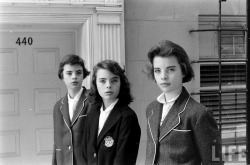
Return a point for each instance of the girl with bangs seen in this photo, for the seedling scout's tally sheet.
(113, 132)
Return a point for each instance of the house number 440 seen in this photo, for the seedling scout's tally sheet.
(24, 41)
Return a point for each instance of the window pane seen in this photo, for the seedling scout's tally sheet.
(233, 106)
(227, 49)
(233, 74)
(227, 40)
(240, 49)
(239, 40)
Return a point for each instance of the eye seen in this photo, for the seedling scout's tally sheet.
(115, 80)
(102, 81)
(69, 73)
(157, 71)
(171, 70)
(79, 73)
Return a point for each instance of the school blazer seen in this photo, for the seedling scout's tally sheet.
(188, 136)
(68, 135)
(118, 141)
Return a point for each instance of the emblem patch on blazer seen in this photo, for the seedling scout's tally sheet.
(109, 141)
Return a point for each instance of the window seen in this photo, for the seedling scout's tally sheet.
(223, 81)
(233, 42)
(233, 75)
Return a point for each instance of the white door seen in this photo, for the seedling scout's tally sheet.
(29, 88)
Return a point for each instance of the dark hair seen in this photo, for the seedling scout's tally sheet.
(72, 59)
(167, 48)
(124, 95)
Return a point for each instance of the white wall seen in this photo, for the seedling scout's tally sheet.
(149, 21)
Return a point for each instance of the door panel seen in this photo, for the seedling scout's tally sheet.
(29, 88)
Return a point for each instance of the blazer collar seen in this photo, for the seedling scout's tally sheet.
(79, 106)
(114, 116)
(154, 120)
(65, 108)
(171, 121)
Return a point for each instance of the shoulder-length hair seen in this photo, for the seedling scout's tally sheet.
(124, 95)
(167, 48)
(72, 59)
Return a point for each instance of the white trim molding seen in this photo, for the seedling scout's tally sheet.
(64, 2)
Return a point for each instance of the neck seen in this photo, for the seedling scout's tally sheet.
(171, 95)
(73, 93)
(107, 103)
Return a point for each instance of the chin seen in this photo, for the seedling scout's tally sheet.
(165, 90)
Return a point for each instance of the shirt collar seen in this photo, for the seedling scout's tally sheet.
(110, 107)
(162, 99)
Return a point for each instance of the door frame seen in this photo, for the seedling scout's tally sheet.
(98, 26)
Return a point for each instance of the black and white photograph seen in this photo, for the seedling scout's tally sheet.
(124, 82)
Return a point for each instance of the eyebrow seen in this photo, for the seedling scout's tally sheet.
(75, 71)
(115, 77)
(173, 66)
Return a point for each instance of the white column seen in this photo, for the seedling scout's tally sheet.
(110, 25)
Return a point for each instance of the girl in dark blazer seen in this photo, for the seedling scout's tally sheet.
(113, 131)
(70, 113)
(179, 129)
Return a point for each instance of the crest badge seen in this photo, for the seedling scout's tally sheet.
(109, 141)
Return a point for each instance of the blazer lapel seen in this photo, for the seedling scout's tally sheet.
(65, 110)
(171, 121)
(154, 121)
(79, 106)
(111, 120)
(173, 118)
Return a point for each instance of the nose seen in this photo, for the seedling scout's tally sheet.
(74, 76)
(108, 85)
(164, 76)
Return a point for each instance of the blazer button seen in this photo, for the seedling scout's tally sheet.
(69, 147)
(94, 155)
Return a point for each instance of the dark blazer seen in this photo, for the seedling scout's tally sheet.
(68, 135)
(189, 134)
(118, 141)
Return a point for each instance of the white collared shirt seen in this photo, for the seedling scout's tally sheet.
(166, 105)
(73, 102)
(105, 114)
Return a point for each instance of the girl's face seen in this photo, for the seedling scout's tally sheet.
(168, 74)
(73, 77)
(108, 85)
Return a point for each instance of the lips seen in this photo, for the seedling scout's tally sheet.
(74, 83)
(109, 93)
(165, 84)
